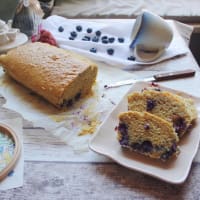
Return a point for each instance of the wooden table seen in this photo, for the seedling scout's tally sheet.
(72, 180)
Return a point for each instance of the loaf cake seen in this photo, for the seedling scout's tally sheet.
(58, 75)
(179, 111)
(147, 134)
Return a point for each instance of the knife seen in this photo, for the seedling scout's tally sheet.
(155, 78)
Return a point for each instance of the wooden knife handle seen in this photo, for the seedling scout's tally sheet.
(174, 75)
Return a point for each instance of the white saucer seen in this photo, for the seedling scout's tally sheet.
(21, 38)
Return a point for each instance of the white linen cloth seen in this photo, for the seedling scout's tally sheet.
(116, 30)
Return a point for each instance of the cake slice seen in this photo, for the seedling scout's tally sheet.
(58, 75)
(147, 134)
(179, 111)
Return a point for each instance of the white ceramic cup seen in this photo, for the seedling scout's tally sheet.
(12, 33)
(151, 35)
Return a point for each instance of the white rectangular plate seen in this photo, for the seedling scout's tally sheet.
(173, 171)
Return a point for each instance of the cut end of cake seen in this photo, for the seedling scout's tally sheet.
(147, 134)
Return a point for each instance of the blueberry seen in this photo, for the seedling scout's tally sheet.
(105, 41)
(123, 129)
(104, 37)
(146, 126)
(79, 28)
(77, 96)
(95, 39)
(132, 58)
(73, 34)
(124, 140)
(89, 30)
(146, 146)
(179, 124)
(150, 104)
(86, 38)
(67, 103)
(169, 153)
(121, 40)
(110, 51)
(111, 40)
(93, 50)
(136, 146)
(98, 33)
(71, 38)
(173, 147)
(60, 29)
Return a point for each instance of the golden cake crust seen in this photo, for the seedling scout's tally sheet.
(171, 107)
(49, 71)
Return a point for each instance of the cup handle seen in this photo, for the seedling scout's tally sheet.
(143, 55)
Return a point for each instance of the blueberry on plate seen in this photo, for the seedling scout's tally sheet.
(93, 50)
(110, 51)
(89, 30)
(79, 28)
(60, 29)
(120, 40)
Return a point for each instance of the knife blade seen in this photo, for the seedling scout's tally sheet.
(155, 78)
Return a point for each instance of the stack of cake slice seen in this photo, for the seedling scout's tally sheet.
(155, 122)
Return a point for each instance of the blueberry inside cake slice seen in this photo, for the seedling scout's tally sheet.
(147, 134)
(179, 111)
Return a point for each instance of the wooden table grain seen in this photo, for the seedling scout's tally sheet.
(84, 180)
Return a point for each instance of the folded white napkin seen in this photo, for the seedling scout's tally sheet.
(69, 34)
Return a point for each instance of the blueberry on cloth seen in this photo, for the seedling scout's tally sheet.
(121, 40)
(104, 37)
(89, 30)
(86, 38)
(73, 34)
(110, 51)
(132, 58)
(111, 40)
(105, 41)
(60, 29)
(93, 50)
(79, 28)
(95, 39)
(98, 33)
